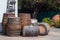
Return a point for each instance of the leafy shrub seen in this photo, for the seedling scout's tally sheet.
(58, 23)
(49, 21)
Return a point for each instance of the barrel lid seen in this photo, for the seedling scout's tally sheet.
(14, 17)
(29, 26)
(24, 13)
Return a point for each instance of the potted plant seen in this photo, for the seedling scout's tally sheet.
(58, 24)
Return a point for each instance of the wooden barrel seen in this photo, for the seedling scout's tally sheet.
(44, 28)
(30, 31)
(46, 25)
(25, 19)
(13, 26)
(5, 19)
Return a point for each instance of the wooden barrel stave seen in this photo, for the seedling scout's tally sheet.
(4, 21)
(25, 19)
(13, 26)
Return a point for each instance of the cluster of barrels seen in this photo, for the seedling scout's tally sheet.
(22, 25)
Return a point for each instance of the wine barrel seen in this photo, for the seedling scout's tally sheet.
(44, 28)
(30, 31)
(46, 25)
(5, 19)
(13, 26)
(25, 19)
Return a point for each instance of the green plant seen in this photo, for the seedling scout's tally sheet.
(49, 21)
(58, 23)
(53, 3)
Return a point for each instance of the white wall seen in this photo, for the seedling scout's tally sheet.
(2, 8)
(3, 5)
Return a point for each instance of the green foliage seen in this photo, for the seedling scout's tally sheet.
(48, 20)
(53, 3)
(19, 3)
(58, 23)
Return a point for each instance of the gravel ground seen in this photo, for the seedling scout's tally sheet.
(54, 34)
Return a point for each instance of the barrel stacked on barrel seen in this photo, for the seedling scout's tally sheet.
(23, 25)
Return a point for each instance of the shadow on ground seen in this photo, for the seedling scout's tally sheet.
(0, 27)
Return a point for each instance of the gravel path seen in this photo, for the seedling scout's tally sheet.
(54, 34)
